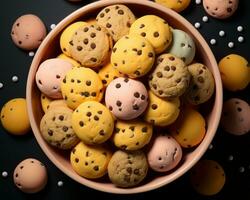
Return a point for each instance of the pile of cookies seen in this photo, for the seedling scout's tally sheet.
(123, 96)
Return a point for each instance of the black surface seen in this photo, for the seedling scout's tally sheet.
(17, 62)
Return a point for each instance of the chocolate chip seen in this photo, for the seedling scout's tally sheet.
(128, 24)
(101, 132)
(50, 132)
(76, 160)
(88, 82)
(86, 29)
(87, 154)
(154, 86)
(159, 74)
(108, 25)
(86, 163)
(167, 68)
(86, 94)
(71, 43)
(173, 68)
(118, 85)
(201, 71)
(132, 128)
(136, 107)
(118, 103)
(239, 109)
(104, 81)
(159, 60)
(129, 170)
(150, 55)
(79, 48)
(136, 171)
(178, 80)
(139, 52)
(120, 12)
(107, 10)
(86, 41)
(137, 73)
(124, 147)
(229, 10)
(102, 15)
(117, 130)
(19, 42)
(156, 34)
(93, 94)
(154, 106)
(126, 80)
(96, 168)
(65, 128)
(115, 64)
(200, 79)
(110, 108)
(142, 25)
(89, 114)
(114, 50)
(92, 35)
(61, 117)
(144, 129)
(93, 45)
(134, 49)
(171, 58)
(136, 95)
(17, 24)
(40, 82)
(160, 92)
(143, 97)
(143, 34)
(58, 76)
(93, 59)
(99, 112)
(81, 123)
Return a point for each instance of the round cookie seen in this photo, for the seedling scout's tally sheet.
(49, 76)
(184, 131)
(91, 45)
(235, 72)
(71, 60)
(108, 73)
(202, 85)
(80, 85)
(127, 169)
(164, 154)
(161, 112)
(170, 77)
(220, 9)
(117, 19)
(24, 35)
(45, 101)
(92, 122)
(67, 35)
(30, 176)
(235, 117)
(176, 5)
(126, 98)
(208, 177)
(155, 29)
(56, 128)
(182, 46)
(14, 116)
(90, 161)
(132, 135)
(133, 56)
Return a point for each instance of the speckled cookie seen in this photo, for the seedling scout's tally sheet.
(201, 86)
(56, 128)
(133, 56)
(117, 19)
(90, 161)
(91, 45)
(161, 112)
(81, 84)
(92, 122)
(182, 46)
(132, 135)
(170, 78)
(155, 29)
(127, 169)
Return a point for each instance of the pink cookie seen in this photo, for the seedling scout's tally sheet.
(126, 98)
(220, 9)
(165, 154)
(235, 117)
(49, 76)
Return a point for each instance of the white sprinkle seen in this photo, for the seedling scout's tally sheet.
(31, 53)
(231, 45)
(60, 183)
(52, 26)
(222, 33)
(197, 25)
(211, 146)
(241, 169)
(4, 174)
(14, 79)
(213, 41)
(230, 158)
(239, 28)
(198, 1)
(240, 39)
(205, 19)
(1, 85)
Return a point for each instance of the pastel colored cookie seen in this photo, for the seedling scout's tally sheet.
(176, 5)
(170, 77)
(208, 177)
(56, 128)
(182, 46)
(90, 161)
(49, 76)
(67, 35)
(164, 154)
(45, 101)
(132, 135)
(235, 72)
(155, 29)
(71, 60)
(91, 45)
(24, 35)
(117, 19)
(161, 112)
(127, 169)
(80, 85)
(235, 117)
(201, 86)
(14, 116)
(57, 103)
(126, 98)
(133, 56)
(184, 131)
(220, 9)
(92, 122)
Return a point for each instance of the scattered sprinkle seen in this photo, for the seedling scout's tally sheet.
(240, 39)
(231, 45)
(14, 79)
(213, 41)
(205, 19)
(31, 53)
(230, 158)
(198, 1)
(211, 146)
(241, 169)
(222, 33)
(4, 174)
(1, 85)
(197, 25)
(60, 183)
(239, 28)
(52, 26)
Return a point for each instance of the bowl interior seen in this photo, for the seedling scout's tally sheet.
(50, 48)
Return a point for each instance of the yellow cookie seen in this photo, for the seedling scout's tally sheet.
(90, 162)
(208, 177)
(189, 128)
(93, 122)
(71, 60)
(108, 73)
(57, 103)
(132, 135)
(45, 101)
(81, 84)
(133, 55)
(235, 72)
(155, 29)
(161, 112)
(66, 36)
(14, 117)
(176, 5)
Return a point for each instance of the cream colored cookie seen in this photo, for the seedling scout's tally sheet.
(71, 60)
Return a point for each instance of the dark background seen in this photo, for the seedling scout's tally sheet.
(14, 149)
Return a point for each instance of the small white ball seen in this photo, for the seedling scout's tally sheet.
(31, 53)
(213, 41)
(240, 39)
(241, 169)
(52, 26)
(231, 45)
(230, 158)
(60, 183)
(198, 1)
(205, 19)
(240, 28)
(197, 25)
(222, 33)
(1, 85)
(14, 79)
(211, 146)
(4, 174)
